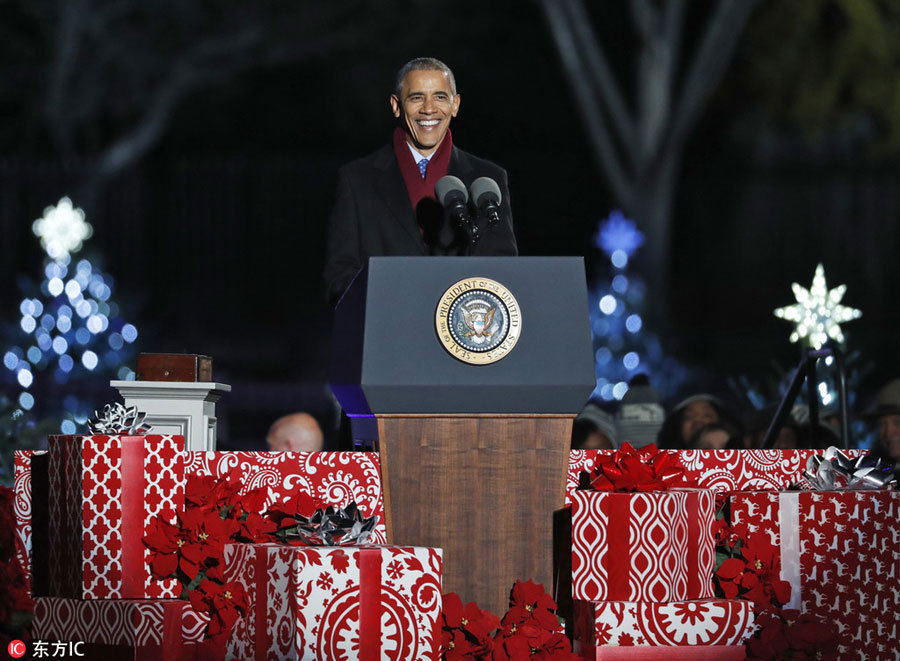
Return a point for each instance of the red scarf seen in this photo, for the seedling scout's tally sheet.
(416, 187)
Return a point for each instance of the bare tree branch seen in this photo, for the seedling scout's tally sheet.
(710, 61)
(674, 25)
(608, 90)
(68, 42)
(595, 122)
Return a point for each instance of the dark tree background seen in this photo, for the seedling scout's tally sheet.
(750, 141)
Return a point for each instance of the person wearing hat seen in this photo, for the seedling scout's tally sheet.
(640, 414)
(593, 429)
(689, 416)
(886, 413)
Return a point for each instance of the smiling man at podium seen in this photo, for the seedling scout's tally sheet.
(386, 202)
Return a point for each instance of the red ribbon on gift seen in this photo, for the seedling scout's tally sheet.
(369, 604)
(134, 482)
(646, 469)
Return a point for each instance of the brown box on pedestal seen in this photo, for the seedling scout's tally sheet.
(173, 367)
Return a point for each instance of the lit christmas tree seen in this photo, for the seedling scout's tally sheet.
(69, 328)
(623, 347)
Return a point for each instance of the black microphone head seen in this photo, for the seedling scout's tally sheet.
(450, 189)
(486, 188)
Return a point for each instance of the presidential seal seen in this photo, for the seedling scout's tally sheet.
(478, 321)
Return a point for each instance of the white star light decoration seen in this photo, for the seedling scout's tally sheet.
(818, 312)
(62, 229)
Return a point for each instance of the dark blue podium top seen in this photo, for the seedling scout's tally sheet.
(387, 356)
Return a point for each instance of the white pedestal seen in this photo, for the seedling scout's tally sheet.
(175, 407)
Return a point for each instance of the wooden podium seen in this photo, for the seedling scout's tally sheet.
(473, 456)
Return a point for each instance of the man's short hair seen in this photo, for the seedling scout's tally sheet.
(423, 64)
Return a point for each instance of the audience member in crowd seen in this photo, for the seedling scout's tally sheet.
(758, 424)
(296, 432)
(593, 429)
(886, 414)
(688, 416)
(640, 415)
(716, 436)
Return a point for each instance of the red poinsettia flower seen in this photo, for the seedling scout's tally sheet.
(457, 646)
(195, 544)
(286, 513)
(791, 634)
(225, 604)
(724, 534)
(252, 527)
(207, 534)
(210, 493)
(754, 577)
(529, 602)
(479, 624)
(164, 541)
(532, 642)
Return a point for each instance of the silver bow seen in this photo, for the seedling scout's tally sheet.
(337, 527)
(836, 471)
(116, 420)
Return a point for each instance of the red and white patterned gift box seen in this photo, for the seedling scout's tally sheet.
(720, 470)
(840, 551)
(121, 628)
(22, 506)
(104, 492)
(651, 546)
(337, 603)
(335, 478)
(678, 623)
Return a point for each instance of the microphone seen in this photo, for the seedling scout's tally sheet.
(453, 196)
(486, 195)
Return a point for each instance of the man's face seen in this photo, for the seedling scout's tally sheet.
(425, 106)
(889, 435)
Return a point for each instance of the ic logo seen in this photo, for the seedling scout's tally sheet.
(16, 649)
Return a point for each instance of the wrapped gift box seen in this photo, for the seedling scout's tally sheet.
(121, 628)
(336, 603)
(651, 546)
(720, 470)
(104, 492)
(840, 551)
(708, 622)
(335, 478)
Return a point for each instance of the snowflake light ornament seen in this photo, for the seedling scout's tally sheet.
(817, 314)
(62, 229)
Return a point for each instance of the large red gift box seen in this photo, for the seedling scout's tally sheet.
(334, 478)
(708, 622)
(104, 492)
(645, 546)
(320, 603)
(145, 630)
(840, 551)
(720, 470)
